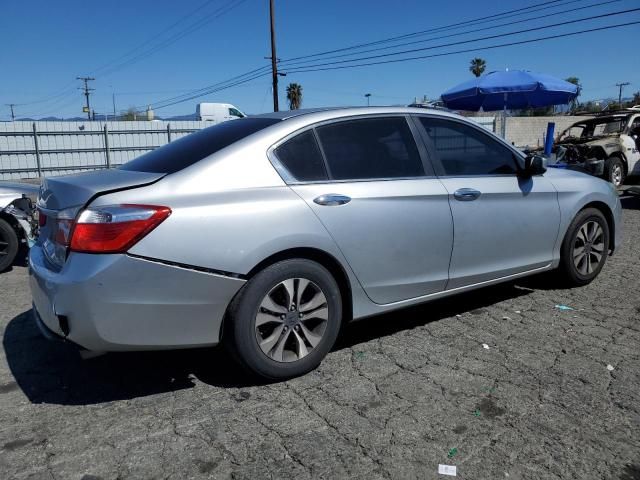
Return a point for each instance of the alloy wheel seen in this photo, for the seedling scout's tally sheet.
(588, 247)
(291, 320)
(616, 175)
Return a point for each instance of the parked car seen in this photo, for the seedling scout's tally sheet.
(217, 112)
(268, 233)
(18, 224)
(608, 145)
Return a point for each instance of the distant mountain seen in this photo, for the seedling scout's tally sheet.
(191, 116)
(100, 118)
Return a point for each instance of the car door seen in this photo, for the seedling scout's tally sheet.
(367, 181)
(504, 223)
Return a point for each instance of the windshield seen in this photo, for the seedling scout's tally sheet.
(595, 128)
(188, 150)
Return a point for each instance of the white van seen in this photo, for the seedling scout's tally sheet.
(217, 112)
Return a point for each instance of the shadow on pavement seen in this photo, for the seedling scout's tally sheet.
(53, 372)
(630, 202)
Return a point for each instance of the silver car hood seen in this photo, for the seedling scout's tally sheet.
(9, 191)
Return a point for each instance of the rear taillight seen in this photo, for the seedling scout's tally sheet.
(114, 228)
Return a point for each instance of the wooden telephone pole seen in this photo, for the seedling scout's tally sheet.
(274, 59)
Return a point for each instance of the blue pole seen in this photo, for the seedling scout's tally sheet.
(548, 141)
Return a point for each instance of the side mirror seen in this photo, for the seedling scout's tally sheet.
(534, 165)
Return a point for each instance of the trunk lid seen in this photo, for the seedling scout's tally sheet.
(59, 193)
(61, 198)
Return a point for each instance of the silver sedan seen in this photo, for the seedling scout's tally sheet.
(270, 232)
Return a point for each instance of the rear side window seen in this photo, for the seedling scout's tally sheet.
(302, 158)
(370, 148)
(188, 150)
(464, 150)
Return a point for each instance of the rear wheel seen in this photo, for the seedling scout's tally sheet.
(285, 319)
(585, 247)
(8, 245)
(614, 171)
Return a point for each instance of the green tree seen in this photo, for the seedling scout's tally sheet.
(294, 96)
(576, 81)
(477, 66)
(130, 115)
(636, 98)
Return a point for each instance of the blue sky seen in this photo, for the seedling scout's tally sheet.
(47, 44)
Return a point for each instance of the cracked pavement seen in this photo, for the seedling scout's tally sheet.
(399, 394)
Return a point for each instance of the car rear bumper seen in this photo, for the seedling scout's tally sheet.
(119, 302)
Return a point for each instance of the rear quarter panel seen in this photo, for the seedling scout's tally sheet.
(231, 231)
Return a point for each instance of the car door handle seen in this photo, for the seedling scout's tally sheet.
(331, 199)
(466, 194)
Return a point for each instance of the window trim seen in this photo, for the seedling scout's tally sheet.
(518, 157)
(289, 179)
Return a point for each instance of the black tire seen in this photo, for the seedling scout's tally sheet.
(614, 171)
(241, 334)
(573, 275)
(8, 245)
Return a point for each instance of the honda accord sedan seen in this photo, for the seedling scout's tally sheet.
(269, 233)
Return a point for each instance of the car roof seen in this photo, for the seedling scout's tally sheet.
(336, 112)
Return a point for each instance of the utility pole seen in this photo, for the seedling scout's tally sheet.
(274, 59)
(86, 89)
(368, 96)
(11, 105)
(621, 86)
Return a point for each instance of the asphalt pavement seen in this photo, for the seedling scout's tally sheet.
(519, 381)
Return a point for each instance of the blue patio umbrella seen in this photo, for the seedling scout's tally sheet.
(508, 90)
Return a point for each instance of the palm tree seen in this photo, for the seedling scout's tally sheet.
(477, 66)
(294, 95)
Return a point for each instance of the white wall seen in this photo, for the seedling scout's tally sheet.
(65, 145)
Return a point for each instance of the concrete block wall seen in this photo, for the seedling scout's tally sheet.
(530, 131)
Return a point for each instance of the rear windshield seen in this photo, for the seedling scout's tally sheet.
(188, 150)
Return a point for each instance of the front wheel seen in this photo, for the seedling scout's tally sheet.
(8, 245)
(585, 247)
(614, 171)
(285, 319)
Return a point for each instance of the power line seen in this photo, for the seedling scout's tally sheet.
(257, 73)
(109, 67)
(225, 87)
(174, 38)
(489, 37)
(206, 90)
(434, 29)
(492, 27)
(149, 40)
(474, 49)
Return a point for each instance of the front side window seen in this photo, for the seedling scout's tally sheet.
(370, 148)
(464, 150)
(234, 112)
(302, 158)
